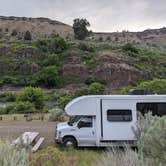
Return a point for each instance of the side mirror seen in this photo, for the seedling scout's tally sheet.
(80, 124)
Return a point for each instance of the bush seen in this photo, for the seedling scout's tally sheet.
(33, 95)
(56, 45)
(144, 123)
(27, 36)
(108, 38)
(9, 80)
(49, 76)
(14, 32)
(100, 39)
(11, 155)
(152, 144)
(64, 100)
(93, 89)
(82, 91)
(117, 158)
(96, 88)
(86, 47)
(156, 86)
(56, 114)
(52, 59)
(130, 48)
(8, 97)
(18, 108)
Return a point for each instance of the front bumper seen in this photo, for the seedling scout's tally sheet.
(58, 140)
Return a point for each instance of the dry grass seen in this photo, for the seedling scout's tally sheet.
(113, 157)
(53, 156)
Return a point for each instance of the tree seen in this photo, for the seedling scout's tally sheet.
(80, 28)
(33, 95)
(27, 36)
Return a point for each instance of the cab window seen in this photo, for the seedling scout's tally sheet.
(85, 122)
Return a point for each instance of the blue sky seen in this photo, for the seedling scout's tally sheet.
(104, 15)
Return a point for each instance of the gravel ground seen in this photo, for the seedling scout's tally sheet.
(14, 129)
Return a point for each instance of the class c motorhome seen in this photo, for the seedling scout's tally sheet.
(106, 120)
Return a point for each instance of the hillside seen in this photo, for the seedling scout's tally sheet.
(49, 61)
(14, 28)
(154, 39)
(54, 63)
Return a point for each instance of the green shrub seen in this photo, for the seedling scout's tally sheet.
(51, 60)
(93, 89)
(13, 156)
(14, 32)
(86, 47)
(33, 95)
(100, 39)
(114, 157)
(9, 80)
(8, 97)
(108, 38)
(56, 45)
(49, 76)
(56, 114)
(130, 48)
(92, 79)
(27, 36)
(144, 123)
(96, 88)
(64, 100)
(152, 144)
(18, 108)
(156, 86)
(82, 91)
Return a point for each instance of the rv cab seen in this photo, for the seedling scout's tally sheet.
(78, 130)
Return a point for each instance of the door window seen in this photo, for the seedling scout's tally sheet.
(85, 122)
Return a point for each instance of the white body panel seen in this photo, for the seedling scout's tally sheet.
(104, 131)
(118, 130)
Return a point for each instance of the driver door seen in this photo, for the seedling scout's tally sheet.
(86, 134)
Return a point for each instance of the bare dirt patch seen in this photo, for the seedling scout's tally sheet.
(14, 129)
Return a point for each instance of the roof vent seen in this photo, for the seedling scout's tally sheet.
(139, 92)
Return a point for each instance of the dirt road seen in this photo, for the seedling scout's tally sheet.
(13, 129)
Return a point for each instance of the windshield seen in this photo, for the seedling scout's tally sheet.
(73, 120)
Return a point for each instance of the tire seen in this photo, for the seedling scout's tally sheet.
(69, 142)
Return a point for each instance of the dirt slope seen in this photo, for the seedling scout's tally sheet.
(38, 27)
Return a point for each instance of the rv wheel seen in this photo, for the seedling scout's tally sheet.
(69, 142)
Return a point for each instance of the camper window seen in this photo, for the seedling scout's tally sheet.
(119, 115)
(156, 108)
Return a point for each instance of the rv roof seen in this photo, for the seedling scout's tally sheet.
(120, 97)
(90, 100)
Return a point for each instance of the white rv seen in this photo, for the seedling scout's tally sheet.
(106, 120)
